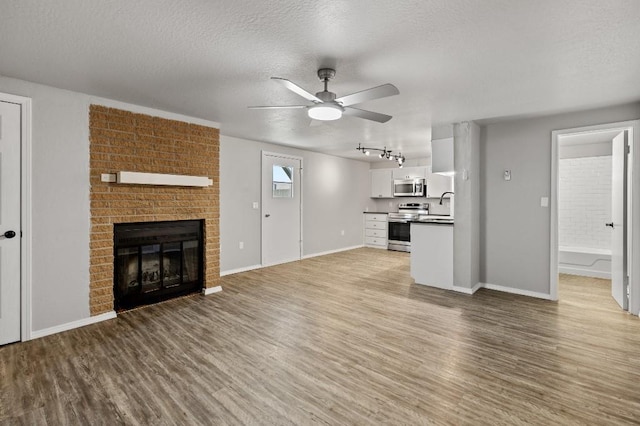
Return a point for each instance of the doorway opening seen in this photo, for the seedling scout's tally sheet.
(591, 203)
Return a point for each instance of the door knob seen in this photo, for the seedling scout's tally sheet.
(267, 215)
(9, 234)
(609, 224)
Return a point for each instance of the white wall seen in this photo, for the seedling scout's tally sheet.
(514, 227)
(335, 194)
(584, 202)
(60, 198)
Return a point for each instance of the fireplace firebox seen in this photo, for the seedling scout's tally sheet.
(155, 261)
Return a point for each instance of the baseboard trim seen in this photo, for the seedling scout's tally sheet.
(518, 291)
(208, 291)
(323, 253)
(584, 272)
(73, 324)
(306, 256)
(466, 290)
(238, 270)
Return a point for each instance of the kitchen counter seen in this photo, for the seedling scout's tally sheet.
(435, 218)
(432, 253)
(434, 221)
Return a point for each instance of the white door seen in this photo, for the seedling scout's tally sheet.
(618, 224)
(281, 209)
(9, 222)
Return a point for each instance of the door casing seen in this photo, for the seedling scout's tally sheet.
(25, 211)
(263, 195)
(633, 204)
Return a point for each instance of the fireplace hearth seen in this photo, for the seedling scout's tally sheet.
(155, 261)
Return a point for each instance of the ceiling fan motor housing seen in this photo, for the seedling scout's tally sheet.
(326, 74)
(326, 96)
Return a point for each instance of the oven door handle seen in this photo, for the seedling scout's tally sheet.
(398, 221)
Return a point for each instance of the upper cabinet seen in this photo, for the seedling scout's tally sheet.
(438, 185)
(381, 183)
(410, 172)
(442, 155)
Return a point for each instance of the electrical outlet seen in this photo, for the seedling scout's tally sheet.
(342, 232)
(255, 205)
(507, 174)
(241, 245)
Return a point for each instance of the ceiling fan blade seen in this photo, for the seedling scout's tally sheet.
(298, 90)
(368, 95)
(367, 115)
(278, 107)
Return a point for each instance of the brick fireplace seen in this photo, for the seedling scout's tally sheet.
(125, 141)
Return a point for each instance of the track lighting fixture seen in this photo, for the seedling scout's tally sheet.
(384, 153)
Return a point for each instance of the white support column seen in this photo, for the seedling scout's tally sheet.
(466, 239)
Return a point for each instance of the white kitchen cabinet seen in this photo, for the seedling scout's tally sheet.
(438, 184)
(381, 183)
(442, 155)
(410, 172)
(375, 230)
(432, 254)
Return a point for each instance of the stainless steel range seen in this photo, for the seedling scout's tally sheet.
(400, 224)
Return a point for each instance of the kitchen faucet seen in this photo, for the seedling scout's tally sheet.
(443, 194)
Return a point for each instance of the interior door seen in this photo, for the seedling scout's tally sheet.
(9, 222)
(281, 209)
(618, 224)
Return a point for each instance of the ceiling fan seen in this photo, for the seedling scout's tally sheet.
(327, 107)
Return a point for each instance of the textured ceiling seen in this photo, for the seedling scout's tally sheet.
(452, 60)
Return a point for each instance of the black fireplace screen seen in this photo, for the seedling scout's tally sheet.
(155, 261)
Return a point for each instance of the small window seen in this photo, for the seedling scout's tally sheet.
(282, 181)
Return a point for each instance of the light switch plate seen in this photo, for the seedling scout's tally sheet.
(507, 174)
(544, 201)
(255, 205)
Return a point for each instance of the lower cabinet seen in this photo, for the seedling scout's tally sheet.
(432, 254)
(375, 230)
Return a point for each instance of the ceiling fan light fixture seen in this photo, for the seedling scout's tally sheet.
(325, 112)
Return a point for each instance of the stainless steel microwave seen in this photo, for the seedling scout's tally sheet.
(409, 187)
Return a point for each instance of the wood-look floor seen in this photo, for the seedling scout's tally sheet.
(340, 339)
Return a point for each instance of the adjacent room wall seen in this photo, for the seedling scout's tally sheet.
(60, 198)
(514, 227)
(335, 194)
(584, 202)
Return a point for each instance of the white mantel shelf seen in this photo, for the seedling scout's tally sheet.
(136, 178)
